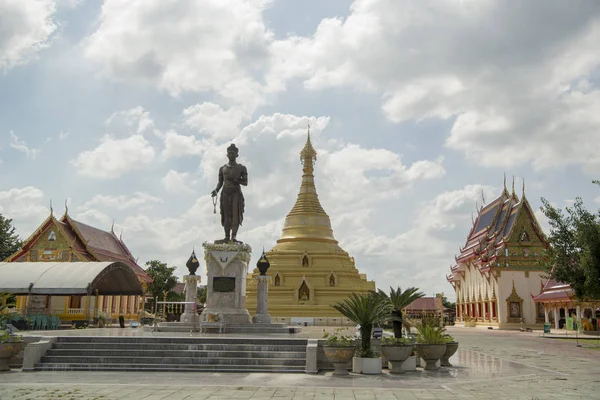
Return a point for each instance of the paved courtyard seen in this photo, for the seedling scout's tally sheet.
(489, 365)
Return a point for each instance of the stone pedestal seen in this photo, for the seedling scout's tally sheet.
(262, 292)
(191, 292)
(226, 268)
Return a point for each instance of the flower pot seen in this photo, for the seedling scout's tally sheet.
(396, 354)
(7, 351)
(367, 366)
(339, 356)
(431, 353)
(450, 350)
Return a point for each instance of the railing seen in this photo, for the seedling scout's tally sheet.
(72, 311)
(60, 310)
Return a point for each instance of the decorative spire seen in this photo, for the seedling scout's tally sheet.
(51, 209)
(513, 185)
(112, 227)
(523, 194)
(482, 196)
(308, 155)
(66, 207)
(307, 219)
(121, 235)
(505, 182)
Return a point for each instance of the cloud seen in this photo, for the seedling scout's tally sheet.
(177, 145)
(115, 157)
(135, 121)
(20, 145)
(137, 200)
(25, 206)
(212, 120)
(215, 46)
(517, 88)
(26, 29)
(63, 135)
(178, 182)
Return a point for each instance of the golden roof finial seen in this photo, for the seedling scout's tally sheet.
(505, 181)
(523, 195)
(513, 185)
(51, 209)
(308, 153)
(66, 207)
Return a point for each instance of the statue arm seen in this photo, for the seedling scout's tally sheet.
(243, 180)
(220, 184)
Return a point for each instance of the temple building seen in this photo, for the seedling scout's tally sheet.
(309, 270)
(67, 240)
(497, 273)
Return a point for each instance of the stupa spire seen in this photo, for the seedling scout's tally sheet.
(307, 218)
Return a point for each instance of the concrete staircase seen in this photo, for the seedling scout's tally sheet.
(175, 354)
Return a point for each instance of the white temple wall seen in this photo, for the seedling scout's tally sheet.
(525, 287)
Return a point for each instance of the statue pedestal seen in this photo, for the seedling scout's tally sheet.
(227, 268)
(262, 292)
(191, 291)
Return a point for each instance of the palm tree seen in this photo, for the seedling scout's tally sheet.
(364, 310)
(397, 301)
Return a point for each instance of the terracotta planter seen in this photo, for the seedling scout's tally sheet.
(7, 351)
(431, 353)
(450, 350)
(396, 354)
(339, 356)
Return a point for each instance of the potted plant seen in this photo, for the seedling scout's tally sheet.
(397, 301)
(339, 349)
(469, 322)
(10, 344)
(396, 351)
(451, 347)
(365, 310)
(431, 343)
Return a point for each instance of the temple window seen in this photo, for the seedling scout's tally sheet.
(303, 292)
(277, 280)
(305, 261)
(331, 280)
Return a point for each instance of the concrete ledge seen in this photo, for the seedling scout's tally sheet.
(35, 351)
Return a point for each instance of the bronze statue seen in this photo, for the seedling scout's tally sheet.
(231, 176)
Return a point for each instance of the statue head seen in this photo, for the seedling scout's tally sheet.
(232, 152)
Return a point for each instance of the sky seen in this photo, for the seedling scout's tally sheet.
(124, 110)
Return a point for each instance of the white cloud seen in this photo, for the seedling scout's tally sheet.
(25, 206)
(20, 145)
(178, 182)
(63, 135)
(177, 145)
(94, 218)
(137, 200)
(135, 121)
(115, 157)
(212, 120)
(215, 46)
(25, 29)
(522, 90)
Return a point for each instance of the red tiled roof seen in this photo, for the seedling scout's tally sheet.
(426, 304)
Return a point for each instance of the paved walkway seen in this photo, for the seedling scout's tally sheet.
(489, 365)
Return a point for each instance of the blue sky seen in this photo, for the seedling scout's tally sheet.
(125, 110)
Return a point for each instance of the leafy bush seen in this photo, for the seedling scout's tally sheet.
(396, 341)
(430, 333)
(337, 338)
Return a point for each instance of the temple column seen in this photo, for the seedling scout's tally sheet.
(262, 309)
(556, 318)
(546, 315)
(578, 312)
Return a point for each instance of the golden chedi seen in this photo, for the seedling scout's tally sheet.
(309, 270)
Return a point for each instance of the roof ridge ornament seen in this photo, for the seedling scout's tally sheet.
(513, 185)
(308, 153)
(66, 206)
(51, 209)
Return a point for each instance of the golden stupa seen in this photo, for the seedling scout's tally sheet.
(309, 270)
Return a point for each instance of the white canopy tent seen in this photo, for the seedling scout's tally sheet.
(69, 278)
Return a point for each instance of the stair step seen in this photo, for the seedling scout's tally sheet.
(171, 360)
(168, 368)
(180, 340)
(178, 347)
(175, 353)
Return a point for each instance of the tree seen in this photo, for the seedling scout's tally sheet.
(573, 256)
(9, 240)
(448, 304)
(399, 300)
(163, 279)
(365, 309)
